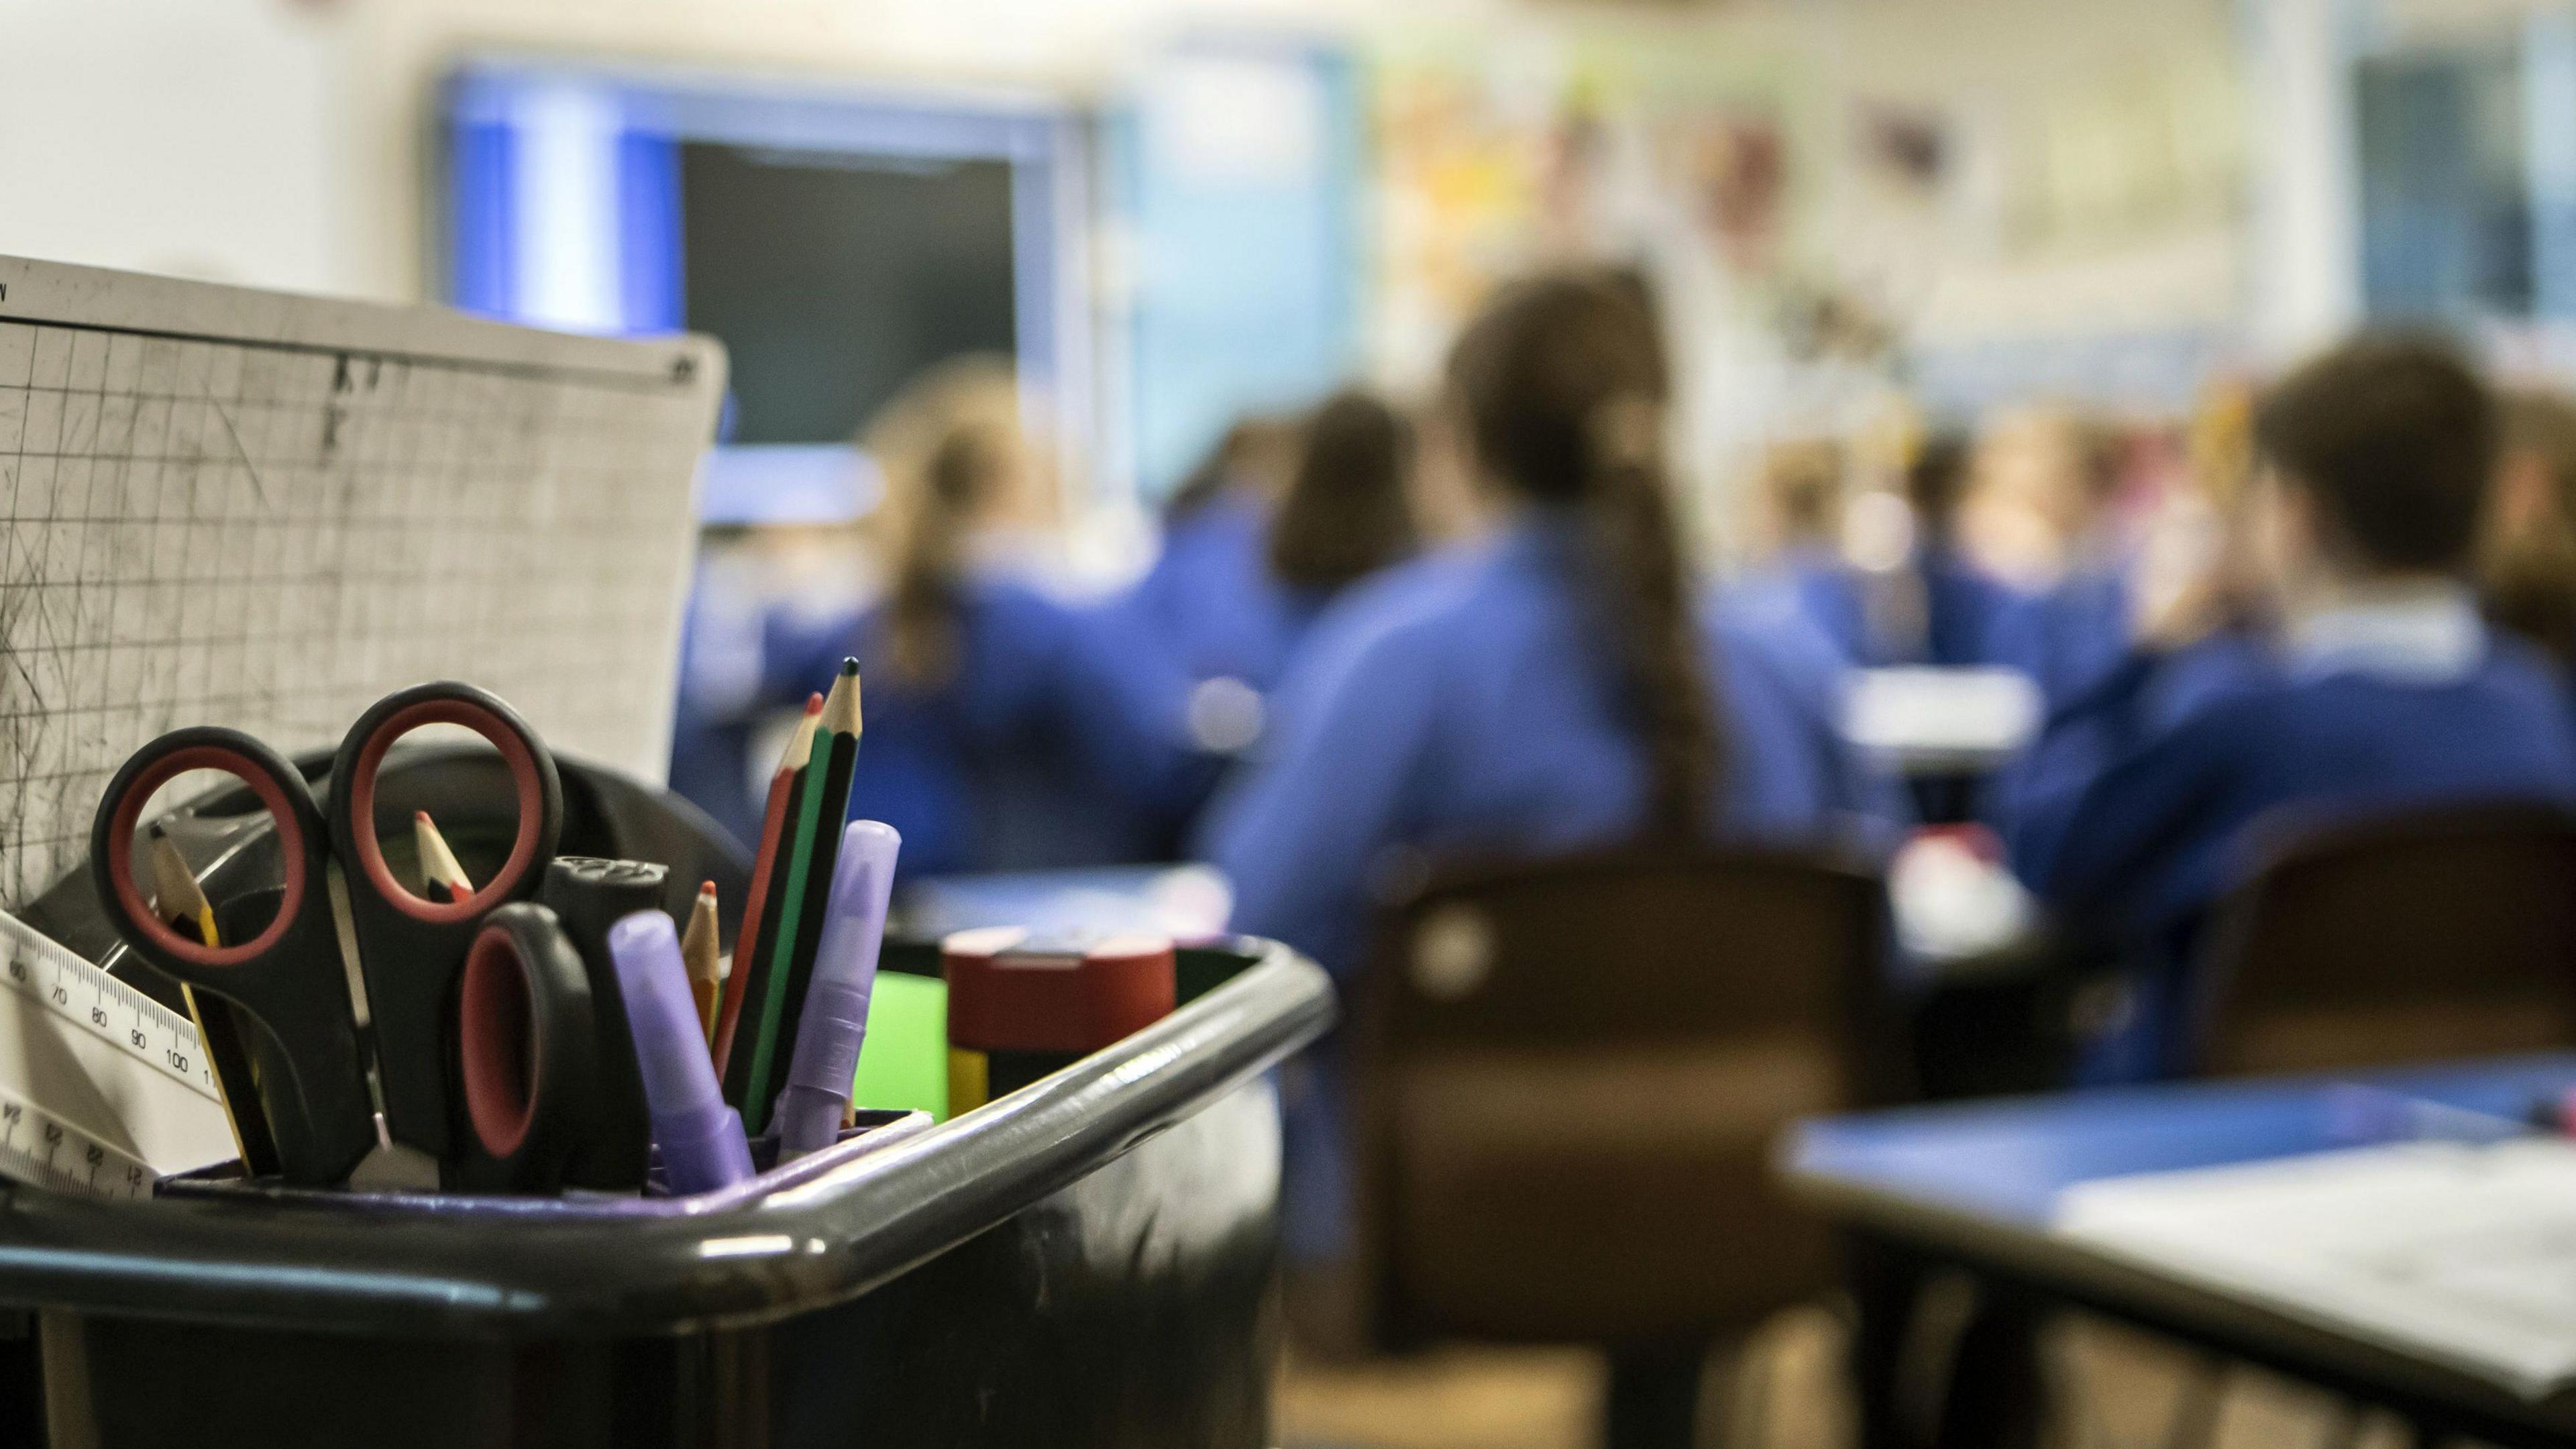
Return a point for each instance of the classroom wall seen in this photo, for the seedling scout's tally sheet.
(281, 142)
(192, 136)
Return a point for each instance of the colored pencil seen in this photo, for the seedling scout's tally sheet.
(760, 907)
(442, 879)
(815, 844)
(699, 951)
(839, 763)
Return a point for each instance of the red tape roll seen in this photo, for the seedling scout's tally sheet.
(1008, 993)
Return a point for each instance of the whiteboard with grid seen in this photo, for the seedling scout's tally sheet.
(234, 507)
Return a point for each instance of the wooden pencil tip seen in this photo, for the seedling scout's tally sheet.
(706, 888)
(841, 709)
(814, 702)
(421, 817)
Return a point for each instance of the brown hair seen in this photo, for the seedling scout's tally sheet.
(947, 447)
(1248, 455)
(1563, 383)
(1347, 514)
(2395, 438)
(1936, 484)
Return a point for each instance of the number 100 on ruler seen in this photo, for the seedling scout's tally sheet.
(102, 1088)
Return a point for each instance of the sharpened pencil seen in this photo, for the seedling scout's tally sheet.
(699, 951)
(175, 892)
(760, 907)
(180, 900)
(442, 879)
(840, 761)
(812, 844)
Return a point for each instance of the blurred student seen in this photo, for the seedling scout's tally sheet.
(2076, 629)
(1545, 688)
(1004, 730)
(1214, 519)
(1899, 589)
(1956, 602)
(1244, 574)
(2384, 687)
(2527, 566)
(1801, 510)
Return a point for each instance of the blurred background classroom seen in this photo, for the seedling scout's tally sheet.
(1092, 363)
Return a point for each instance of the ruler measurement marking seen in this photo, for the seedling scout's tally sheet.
(103, 1171)
(176, 1053)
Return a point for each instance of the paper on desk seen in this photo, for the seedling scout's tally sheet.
(2462, 1254)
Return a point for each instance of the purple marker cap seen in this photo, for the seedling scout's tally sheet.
(701, 1138)
(808, 1115)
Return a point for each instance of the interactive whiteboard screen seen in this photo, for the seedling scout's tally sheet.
(226, 506)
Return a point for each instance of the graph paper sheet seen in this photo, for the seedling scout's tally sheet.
(235, 507)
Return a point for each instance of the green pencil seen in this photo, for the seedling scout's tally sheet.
(819, 815)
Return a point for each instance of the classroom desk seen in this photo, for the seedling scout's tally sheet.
(1974, 1186)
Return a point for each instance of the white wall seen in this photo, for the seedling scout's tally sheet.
(201, 137)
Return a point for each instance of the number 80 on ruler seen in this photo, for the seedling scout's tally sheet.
(102, 1006)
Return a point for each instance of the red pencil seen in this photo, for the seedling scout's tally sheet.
(773, 824)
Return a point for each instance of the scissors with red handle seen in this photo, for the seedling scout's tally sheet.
(292, 977)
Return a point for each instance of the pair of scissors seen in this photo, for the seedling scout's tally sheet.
(354, 980)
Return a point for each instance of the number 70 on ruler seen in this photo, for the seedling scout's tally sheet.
(96, 1003)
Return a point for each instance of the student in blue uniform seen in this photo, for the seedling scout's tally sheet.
(1960, 602)
(2077, 630)
(1240, 579)
(1545, 688)
(1004, 729)
(1937, 607)
(1213, 526)
(2383, 687)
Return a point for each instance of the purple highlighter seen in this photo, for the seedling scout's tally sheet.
(835, 1021)
(701, 1138)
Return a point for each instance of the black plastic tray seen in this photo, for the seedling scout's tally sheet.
(1083, 1261)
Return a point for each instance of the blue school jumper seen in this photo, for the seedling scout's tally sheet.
(1963, 607)
(1459, 704)
(2071, 636)
(1046, 746)
(2367, 709)
(1210, 601)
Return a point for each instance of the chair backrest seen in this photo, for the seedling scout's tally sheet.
(2440, 932)
(1568, 1077)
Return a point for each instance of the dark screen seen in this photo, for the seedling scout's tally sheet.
(834, 280)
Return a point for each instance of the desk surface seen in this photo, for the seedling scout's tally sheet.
(1978, 1183)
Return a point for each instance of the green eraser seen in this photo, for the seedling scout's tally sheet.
(903, 1064)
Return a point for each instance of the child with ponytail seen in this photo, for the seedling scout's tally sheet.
(1550, 686)
(1004, 730)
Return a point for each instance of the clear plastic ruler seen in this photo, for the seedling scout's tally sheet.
(102, 1088)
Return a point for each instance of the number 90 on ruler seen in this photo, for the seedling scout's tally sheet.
(114, 1045)
(79, 993)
